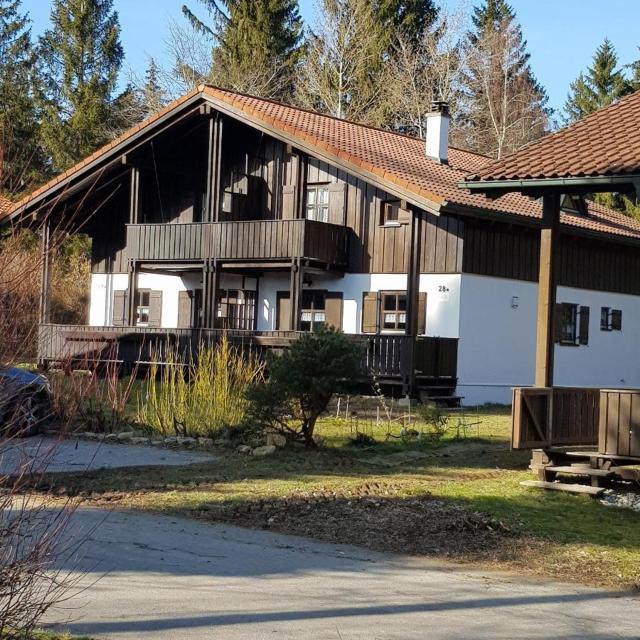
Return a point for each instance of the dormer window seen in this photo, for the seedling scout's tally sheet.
(574, 205)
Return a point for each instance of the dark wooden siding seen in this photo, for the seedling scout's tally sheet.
(501, 250)
(442, 243)
(599, 265)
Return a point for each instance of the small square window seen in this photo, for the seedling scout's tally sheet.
(391, 212)
(610, 319)
(394, 316)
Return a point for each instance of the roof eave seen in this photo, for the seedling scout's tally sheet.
(539, 186)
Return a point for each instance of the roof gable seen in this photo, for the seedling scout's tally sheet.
(396, 162)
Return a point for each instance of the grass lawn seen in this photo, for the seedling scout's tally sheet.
(460, 499)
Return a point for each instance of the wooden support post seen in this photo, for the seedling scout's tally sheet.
(217, 186)
(210, 286)
(132, 286)
(547, 285)
(295, 293)
(45, 280)
(134, 196)
(413, 290)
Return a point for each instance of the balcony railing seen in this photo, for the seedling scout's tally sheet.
(383, 356)
(269, 240)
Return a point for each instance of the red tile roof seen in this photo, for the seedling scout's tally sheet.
(604, 143)
(6, 206)
(397, 161)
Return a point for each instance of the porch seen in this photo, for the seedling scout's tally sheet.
(384, 356)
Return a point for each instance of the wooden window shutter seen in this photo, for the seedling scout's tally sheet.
(283, 311)
(333, 309)
(422, 314)
(557, 322)
(583, 332)
(404, 213)
(119, 311)
(289, 201)
(184, 309)
(616, 320)
(337, 193)
(155, 308)
(370, 312)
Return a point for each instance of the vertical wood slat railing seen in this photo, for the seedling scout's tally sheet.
(382, 354)
(244, 240)
(555, 416)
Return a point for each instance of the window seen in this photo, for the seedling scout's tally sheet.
(610, 319)
(312, 314)
(236, 309)
(143, 307)
(571, 324)
(394, 311)
(391, 212)
(318, 202)
(394, 212)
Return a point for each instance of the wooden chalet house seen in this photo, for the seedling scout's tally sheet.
(230, 212)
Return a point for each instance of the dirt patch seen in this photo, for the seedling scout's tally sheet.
(415, 525)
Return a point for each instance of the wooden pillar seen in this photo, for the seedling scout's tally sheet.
(295, 293)
(547, 285)
(45, 280)
(413, 289)
(210, 290)
(134, 196)
(132, 286)
(214, 169)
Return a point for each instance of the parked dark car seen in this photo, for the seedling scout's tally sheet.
(25, 402)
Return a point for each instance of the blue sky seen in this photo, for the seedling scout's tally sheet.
(562, 34)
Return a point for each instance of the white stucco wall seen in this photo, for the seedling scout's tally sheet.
(498, 337)
(443, 298)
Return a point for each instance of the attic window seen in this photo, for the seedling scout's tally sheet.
(574, 205)
(394, 212)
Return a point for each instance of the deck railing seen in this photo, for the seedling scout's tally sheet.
(250, 240)
(382, 355)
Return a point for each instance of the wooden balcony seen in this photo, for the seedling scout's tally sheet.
(260, 240)
(383, 356)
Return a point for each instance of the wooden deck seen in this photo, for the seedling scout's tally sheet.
(384, 356)
(263, 240)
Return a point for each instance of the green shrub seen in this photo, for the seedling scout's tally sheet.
(436, 419)
(202, 396)
(301, 383)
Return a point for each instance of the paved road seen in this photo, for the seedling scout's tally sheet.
(171, 578)
(52, 455)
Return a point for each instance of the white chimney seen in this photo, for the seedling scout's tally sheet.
(437, 143)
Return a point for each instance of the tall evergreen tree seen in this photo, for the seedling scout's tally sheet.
(80, 57)
(410, 17)
(503, 106)
(21, 160)
(603, 83)
(256, 44)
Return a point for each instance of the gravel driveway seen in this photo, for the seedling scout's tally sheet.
(52, 455)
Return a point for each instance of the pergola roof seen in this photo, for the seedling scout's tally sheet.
(604, 144)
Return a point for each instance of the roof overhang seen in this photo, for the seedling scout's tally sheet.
(109, 157)
(540, 186)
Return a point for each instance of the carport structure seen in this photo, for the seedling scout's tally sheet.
(600, 153)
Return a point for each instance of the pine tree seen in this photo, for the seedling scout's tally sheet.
(503, 106)
(80, 57)
(410, 17)
(153, 96)
(602, 84)
(21, 159)
(256, 44)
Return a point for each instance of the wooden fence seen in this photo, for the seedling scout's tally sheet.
(557, 416)
(383, 356)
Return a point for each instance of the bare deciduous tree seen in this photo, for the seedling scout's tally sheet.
(425, 70)
(503, 107)
(341, 49)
